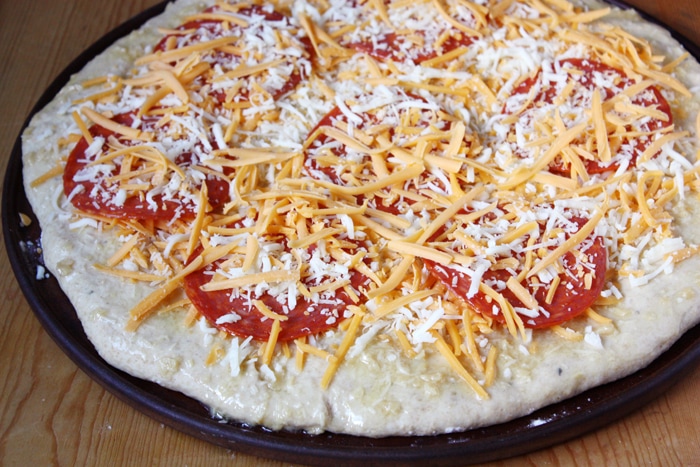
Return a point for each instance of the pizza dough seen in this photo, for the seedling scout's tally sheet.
(377, 389)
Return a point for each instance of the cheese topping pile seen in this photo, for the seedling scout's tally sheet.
(422, 173)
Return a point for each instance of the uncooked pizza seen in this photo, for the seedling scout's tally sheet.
(331, 215)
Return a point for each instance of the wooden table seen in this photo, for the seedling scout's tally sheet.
(52, 413)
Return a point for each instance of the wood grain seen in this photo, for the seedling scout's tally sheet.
(51, 413)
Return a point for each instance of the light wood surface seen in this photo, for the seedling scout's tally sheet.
(51, 413)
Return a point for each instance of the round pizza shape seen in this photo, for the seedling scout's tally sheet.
(467, 210)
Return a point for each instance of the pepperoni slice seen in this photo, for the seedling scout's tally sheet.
(396, 127)
(428, 38)
(399, 48)
(233, 311)
(589, 75)
(261, 22)
(93, 188)
(581, 281)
